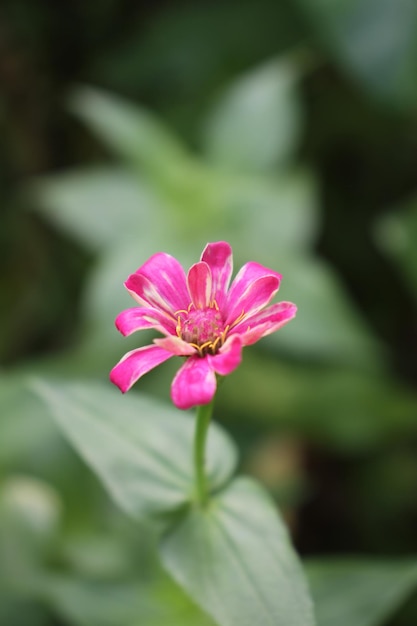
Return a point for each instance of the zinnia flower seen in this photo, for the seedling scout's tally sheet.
(200, 317)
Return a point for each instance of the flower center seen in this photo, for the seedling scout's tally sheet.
(203, 329)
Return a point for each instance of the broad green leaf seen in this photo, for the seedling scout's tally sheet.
(97, 206)
(236, 560)
(256, 123)
(397, 235)
(128, 130)
(358, 591)
(141, 450)
(134, 603)
(375, 40)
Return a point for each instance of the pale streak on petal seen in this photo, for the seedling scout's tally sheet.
(176, 345)
(265, 322)
(219, 258)
(199, 285)
(160, 282)
(254, 298)
(135, 364)
(194, 384)
(134, 319)
(242, 294)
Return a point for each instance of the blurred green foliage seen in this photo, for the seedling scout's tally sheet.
(289, 129)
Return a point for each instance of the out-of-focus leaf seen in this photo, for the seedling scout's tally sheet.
(23, 425)
(235, 559)
(397, 235)
(256, 123)
(128, 130)
(263, 215)
(139, 449)
(132, 602)
(84, 603)
(97, 206)
(29, 515)
(359, 592)
(33, 505)
(375, 40)
(327, 326)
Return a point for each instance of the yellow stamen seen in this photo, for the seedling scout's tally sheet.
(206, 345)
(215, 342)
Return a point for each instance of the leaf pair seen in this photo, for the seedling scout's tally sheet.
(234, 557)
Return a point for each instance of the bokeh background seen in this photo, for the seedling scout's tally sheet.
(288, 128)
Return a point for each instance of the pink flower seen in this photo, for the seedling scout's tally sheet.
(200, 317)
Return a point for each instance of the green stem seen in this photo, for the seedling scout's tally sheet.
(203, 420)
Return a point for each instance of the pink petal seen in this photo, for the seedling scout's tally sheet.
(194, 383)
(131, 320)
(219, 258)
(229, 356)
(161, 283)
(199, 285)
(265, 322)
(251, 290)
(176, 345)
(135, 364)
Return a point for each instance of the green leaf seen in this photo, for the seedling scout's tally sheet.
(360, 592)
(235, 559)
(256, 123)
(141, 450)
(127, 129)
(97, 206)
(24, 429)
(263, 214)
(130, 602)
(375, 40)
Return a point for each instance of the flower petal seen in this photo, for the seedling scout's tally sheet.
(194, 383)
(176, 345)
(199, 285)
(229, 356)
(219, 258)
(251, 290)
(264, 323)
(161, 283)
(138, 318)
(135, 364)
